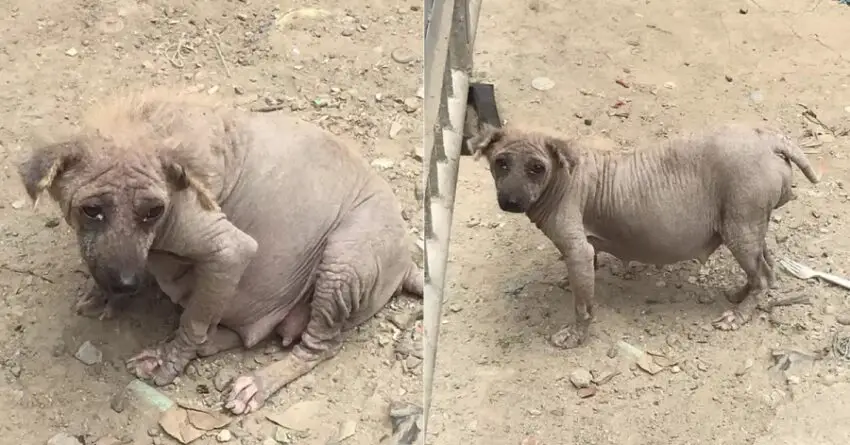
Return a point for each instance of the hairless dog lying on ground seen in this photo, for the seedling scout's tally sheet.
(676, 202)
(255, 224)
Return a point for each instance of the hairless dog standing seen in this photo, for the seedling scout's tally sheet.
(676, 202)
(255, 224)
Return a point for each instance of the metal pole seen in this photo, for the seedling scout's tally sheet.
(449, 38)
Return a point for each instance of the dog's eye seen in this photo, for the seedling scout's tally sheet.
(154, 213)
(536, 168)
(501, 164)
(93, 212)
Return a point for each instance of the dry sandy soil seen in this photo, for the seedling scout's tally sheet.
(686, 65)
(356, 71)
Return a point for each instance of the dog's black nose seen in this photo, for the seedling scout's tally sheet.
(510, 204)
(125, 283)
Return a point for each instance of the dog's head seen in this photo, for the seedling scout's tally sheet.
(523, 165)
(115, 196)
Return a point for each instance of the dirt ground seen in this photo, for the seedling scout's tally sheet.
(355, 69)
(684, 65)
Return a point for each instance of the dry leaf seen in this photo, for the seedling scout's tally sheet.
(175, 422)
(207, 421)
(645, 362)
(298, 417)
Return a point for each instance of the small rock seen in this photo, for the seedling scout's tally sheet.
(581, 378)
(542, 83)
(531, 440)
(743, 11)
(281, 435)
(395, 129)
(348, 31)
(72, 52)
(224, 436)
(584, 393)
(118, 402)
(411, 104)
(843, 319)
(705, 298)
(748, 363)
(19, 204)
(270, 441)
(51, 222)
(675, 369)
(588, 122)
(221, 379)
(669, 85)
(238, 90)
(383, 163)
(64, 439)
(89, 354)
(728, 78)
(402, 55)
(756, 97)
(847, 108)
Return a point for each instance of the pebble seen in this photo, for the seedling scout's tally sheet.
(383, 163)
(52, 222)
(395, 129)
(281, 435)
(542, 83)
(89, 354)
(19, 204)
(270, 441)
(411, 104)
(71, 52)
(64, 439)
(348, 31)
(402, 55)
(705, 298)
(847, 108)
(224, 436)
(669, 85)
(843, 319)
(756, 97)
(581, 378)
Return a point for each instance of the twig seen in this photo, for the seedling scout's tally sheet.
(790, 301)
(216, 40)
(178, 52)
(269, 108)
(812, 117)
(25, 272)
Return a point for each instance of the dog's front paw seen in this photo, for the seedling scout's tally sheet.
(571, 336)
(94, 304)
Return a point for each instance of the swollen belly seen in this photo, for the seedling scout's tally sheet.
(659, 251)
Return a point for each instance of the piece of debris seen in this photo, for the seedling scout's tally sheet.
(603, 377)
(402, 55)
(841, 346)
(71, 52)
(843, 319)
(621, 83)
(297, 417)
(542, 83)
(589, 391)
(64, 439)
(406, 420)
(346, 430)
(383, 164)
(19, 204)
(581, 378)
(641, 358)
(395, 129)
(108, 440)
(411, 104)
(186, 424)
(118, 401)
(282, 435)
(89, 354)
(788, 363)
(530, 440)
(224, 436)
(748, 363)
(150, 395)
(728, 78)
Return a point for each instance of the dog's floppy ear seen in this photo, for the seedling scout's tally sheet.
(178, 172)
(45, 165)
(481, 143)
(564, 152)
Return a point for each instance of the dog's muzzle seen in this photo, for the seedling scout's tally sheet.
(511, 204)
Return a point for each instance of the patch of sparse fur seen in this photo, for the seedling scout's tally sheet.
(176, 127)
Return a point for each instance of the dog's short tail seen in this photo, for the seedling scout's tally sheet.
(793, 153)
